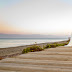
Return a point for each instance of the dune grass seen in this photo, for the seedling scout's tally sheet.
(35, 48)
(55, 45)
(32, 49)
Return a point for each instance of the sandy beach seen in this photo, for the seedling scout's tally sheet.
(57, 59)
(35, 35)
(13, 51)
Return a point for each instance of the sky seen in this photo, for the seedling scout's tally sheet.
(45, 17)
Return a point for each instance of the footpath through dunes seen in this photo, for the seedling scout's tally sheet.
(50, 60)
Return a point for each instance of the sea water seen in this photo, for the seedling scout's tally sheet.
(12, 42)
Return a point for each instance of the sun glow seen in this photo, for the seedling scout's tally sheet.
(36, 17)
(9, 29)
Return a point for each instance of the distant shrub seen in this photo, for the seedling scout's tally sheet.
(26, 50)
(50, 46)
(35, 48)
(38, 48)
(32, 49)
(62, 44)
(55, 45)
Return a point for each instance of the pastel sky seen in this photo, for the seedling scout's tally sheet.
(48, 17)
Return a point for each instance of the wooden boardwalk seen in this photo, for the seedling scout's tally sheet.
(50, 60)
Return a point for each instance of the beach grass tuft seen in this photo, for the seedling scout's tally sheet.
(32, 49)
(35, 47)
(55, 45)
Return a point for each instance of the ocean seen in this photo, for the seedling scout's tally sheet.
(12, 42)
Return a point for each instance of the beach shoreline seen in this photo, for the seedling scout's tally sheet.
(14, 51)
